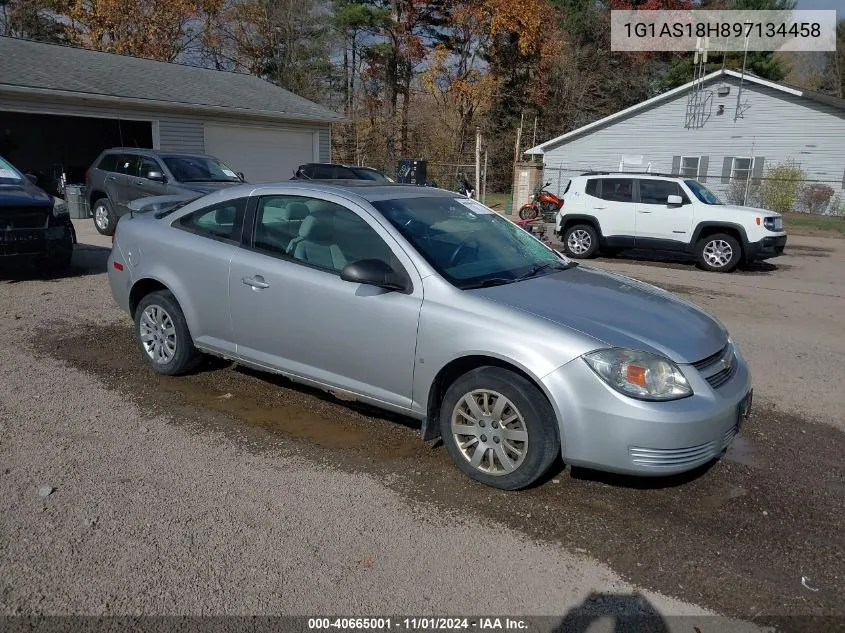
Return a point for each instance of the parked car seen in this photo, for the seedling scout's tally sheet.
(334, 171)
(121, 175)
(423, 302)
(33, 226)
(611, 212)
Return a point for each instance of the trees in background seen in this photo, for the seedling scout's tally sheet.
(415, 78)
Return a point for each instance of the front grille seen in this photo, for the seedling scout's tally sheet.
(23, 218)
(672, 457)
(721, 377)
(710, 360)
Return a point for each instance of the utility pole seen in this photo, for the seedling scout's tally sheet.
(518, 139)
(484, 183)
(477, 161)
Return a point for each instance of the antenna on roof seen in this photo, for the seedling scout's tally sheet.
(742, 107)
(697, 101)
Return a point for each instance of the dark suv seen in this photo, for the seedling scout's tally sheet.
(336, 171)
(31, 225)
(121, 175)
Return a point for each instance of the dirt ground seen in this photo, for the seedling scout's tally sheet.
(235, 492)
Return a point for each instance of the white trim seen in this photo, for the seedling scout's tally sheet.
(697, 167)
(316, 135)
(156, 135)
(750, 160)
(540, 149)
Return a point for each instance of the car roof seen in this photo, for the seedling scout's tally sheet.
(369, 190)
(152, 152)
(628, 174)
(339, 165)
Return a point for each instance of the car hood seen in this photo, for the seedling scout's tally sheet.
(207, 187)
(617, 311)
(23, 195)
(748, 211)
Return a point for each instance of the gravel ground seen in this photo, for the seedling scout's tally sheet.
(171, 497)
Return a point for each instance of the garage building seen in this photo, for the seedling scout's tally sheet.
(61, 106)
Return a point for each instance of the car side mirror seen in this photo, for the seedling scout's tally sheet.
(157, 176)
(240, 175)
(374, 272)
(32, 178)
(674, 200)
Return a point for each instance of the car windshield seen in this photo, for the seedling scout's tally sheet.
(8, 174)
(469, 244)
(702, 193)
(370, 174)
(199, 169)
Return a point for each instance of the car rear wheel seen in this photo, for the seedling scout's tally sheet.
(719, 253)
(104, 218)
(163, 335)
(580, 241)
(499, 428)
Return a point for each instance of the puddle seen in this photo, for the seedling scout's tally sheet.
(742, 452)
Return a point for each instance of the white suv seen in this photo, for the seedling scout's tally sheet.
(611, 212)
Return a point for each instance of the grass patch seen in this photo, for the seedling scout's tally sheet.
(800, 222)
(498, 201)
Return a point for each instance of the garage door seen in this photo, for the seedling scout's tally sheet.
(262, 154)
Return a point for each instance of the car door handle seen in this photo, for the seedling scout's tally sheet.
(139, 182)
(111, 178)
(645, 211)
(600, 207)
(256, 282)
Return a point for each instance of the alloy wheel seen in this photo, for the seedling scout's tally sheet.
(101, 217)
(718, 253)
(579, 241)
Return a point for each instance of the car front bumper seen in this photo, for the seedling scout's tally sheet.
(766, 248)
(605, 430)
(36, 242)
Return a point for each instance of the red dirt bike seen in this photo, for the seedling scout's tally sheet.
(542, 203)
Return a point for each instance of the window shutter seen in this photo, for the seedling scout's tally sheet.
(676, 165)
(703, 164)
(726, 169)
(757, 170)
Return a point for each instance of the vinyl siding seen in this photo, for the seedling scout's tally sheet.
(775, 126)
(181, 135)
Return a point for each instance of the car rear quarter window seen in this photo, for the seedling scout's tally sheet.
(617, 189)
(223, 221)
(127, 164)
(592, 188)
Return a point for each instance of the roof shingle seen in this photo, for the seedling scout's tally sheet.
(37, 66)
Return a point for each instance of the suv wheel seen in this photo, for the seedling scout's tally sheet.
(580, 241)
(104, 218)
(499, 428)
(163, 335)
(719, 253)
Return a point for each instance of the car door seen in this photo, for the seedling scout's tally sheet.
(660, 224)
(208, 239)
(126, 170)
(140, 186)
(611, 201)
(292, 311)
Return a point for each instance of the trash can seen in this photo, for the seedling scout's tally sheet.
(77, 203)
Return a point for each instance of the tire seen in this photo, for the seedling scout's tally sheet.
(171, 350)
(528, 212)
(105, 220)
(535, 421)
(719, 253)
(580, 241)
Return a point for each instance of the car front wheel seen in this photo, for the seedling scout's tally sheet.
(163, 335)
(719, 253)
(499, 428)
(580, 241)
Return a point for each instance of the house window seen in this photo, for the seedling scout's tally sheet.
(689, 166)
(741, 169)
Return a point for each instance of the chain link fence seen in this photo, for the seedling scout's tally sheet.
(781, 187)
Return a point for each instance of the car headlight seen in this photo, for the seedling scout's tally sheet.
(774, 223)
(639, 374)
(60, 209)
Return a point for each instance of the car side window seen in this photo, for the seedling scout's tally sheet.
(127, 164)
(222, 221)
(592, 188)
(658, 191)
(323, 172)
(108, 163)
(317, 233)
(345, 174)
(617, 189)
(146, 166)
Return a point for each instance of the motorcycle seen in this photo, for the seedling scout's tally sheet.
(541, 203)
